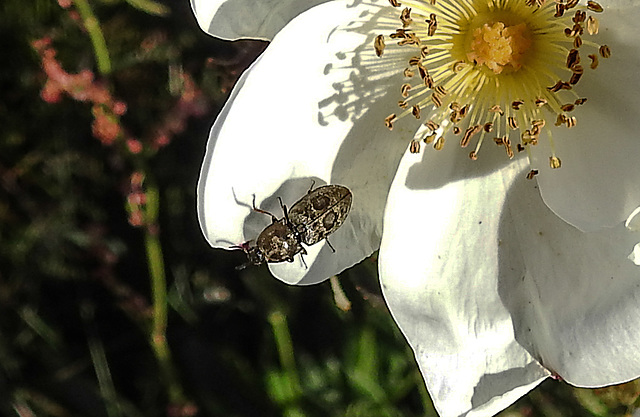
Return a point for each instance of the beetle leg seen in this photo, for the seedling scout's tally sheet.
(330, 245)
(273, 218)
(302, 259)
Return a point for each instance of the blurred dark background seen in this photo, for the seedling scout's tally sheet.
(111, 302)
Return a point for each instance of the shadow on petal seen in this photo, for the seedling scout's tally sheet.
(485, 390)
(572, 295)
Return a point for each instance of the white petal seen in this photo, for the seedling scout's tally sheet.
(308, 110)
(578, 297)
(439, 270)
(247, 19)
(597, 185)
(501, 287)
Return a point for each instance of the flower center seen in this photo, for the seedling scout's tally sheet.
(492, 68)
(497, 46)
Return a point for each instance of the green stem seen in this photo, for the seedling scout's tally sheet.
(92, 25)
(284, 345)
(155, 261)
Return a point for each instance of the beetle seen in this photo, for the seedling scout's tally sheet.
(321, 212)
(311, 219)
(278, 242)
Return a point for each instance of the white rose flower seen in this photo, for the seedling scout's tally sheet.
(501, 267)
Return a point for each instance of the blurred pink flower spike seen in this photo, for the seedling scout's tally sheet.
(503, 265)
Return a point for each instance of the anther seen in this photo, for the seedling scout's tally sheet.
(388, 121)
(433, 24)
(414, 147)
(404, 90)
(605, 52)
(577, 42)
(436, 99)
(378, 45)
(429, 138)
(516, 104)
(422, 71)
(575, 77)
(571, 4)
(594, 7)
(458, 66)
(528, 138)
(554, 162)
(399, 34)
(394, 3)
(593, 25)
(573, 58)
(571, 121)
(512, 122)
(441, 90)
(594, 61)
(497, 109)
(405, 17)
(428, 81)
(504, 141)
(433, 126)
(415, 110)
(439, 144)
(409, 40)
(532, 174)
(560, 85)
(468, 134)
(540, 102)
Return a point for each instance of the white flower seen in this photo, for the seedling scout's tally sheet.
(497, 281)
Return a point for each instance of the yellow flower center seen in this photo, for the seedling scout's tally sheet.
(498, 46)
(494, 69)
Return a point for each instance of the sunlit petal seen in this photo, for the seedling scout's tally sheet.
(442, 282)
(597, 185)
(276, 135)
(247, 19)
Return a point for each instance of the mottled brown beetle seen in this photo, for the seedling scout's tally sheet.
(311, 219)
(320, 213)
(278, 242)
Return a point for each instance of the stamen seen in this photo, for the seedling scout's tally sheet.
(492, 65)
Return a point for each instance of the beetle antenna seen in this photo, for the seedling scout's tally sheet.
(313, 182)
(273, 218)
(284, 209)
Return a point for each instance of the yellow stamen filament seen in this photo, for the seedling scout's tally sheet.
(484, 66)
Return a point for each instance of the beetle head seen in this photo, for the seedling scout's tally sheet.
(254, 255)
